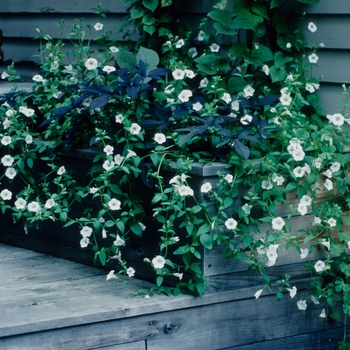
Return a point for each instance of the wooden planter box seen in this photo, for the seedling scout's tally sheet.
(51, 238)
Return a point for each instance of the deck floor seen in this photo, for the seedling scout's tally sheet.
(51, 303)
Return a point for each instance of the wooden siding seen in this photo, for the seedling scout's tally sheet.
(50, 303)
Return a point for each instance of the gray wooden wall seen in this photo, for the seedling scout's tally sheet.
(332, 17)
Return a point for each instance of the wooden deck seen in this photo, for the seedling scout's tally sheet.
(51, 303)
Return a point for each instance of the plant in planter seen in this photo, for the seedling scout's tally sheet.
(154, 116)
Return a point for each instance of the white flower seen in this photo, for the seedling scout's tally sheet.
(29, 139)
(317, 163)
(200, 36)
(189, 73)
(316, 221)
(185, 190)
(302, 305)
(178, 74)
(6, 140)
(203, 83)
(6, 123)
(231, 224)
(266, 69)
(325, 243)
(328, 173)
(328, 184)
(119, 241)
(302, 208)
(69, 67)
(235, 105)
(178, 275)
(114, 204)
(7, 160)
(28, 112)
(86, 231)
(6, 195)
(93, 190)
(130, 272)
(20, 203)
(4, 75)
(298, 154)
(98, 26)
(285, 99)
(278, 223)
(246, 119)
(113, 49)
(50, 203)
(307, 200)
(288, 45)
(197, 106)
(135, 129)
(185, 95)
(180, 43)
(10, 173)
(34, 207)
(143, 227)
(320, 266)
(292, 292)
(246, 208)
(104, 234)
(266, 184)
(159, 138)
(108, 165)
(226, 97)
(214, 47)
(91, 63)
(299, 171)
(84, 242)
(258, 293)
(158, 262)
(332, 222)
(119, 118)
(38, 78)
(118, 159)
(312, 27)
(335, 167)
(323, 313)
(271, 253)
(314, 300)
(111, 275)
(108, 149)
(309, 87)
(313, 58)
(304, 253)
(108, 69)
(61, 170)
(205, 188)
(192, 52)
(229, 178)
(336, 119)
(130, 154)
(248, 91)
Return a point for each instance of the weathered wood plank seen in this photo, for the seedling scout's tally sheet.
(325, 340)
(20, 26)
(63, 6)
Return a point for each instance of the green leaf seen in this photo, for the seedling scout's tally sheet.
(148, 20)
(121, 226)
(182, 250)
(228, 202)
(261, 55)
(102, 257)
(159, 280)
(236, 84)
(206, 240)
(136, 13)
(149, 29)
(291, 186)
(150, 4)
(223, 17)
(126, 59)
(275, 3)
(203, 229)
(30, 162)
(149, 57)
(247, 241)
(136, 228)
(201, 287)
(63, 216)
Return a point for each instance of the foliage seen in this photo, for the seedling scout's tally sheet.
(237, 88)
